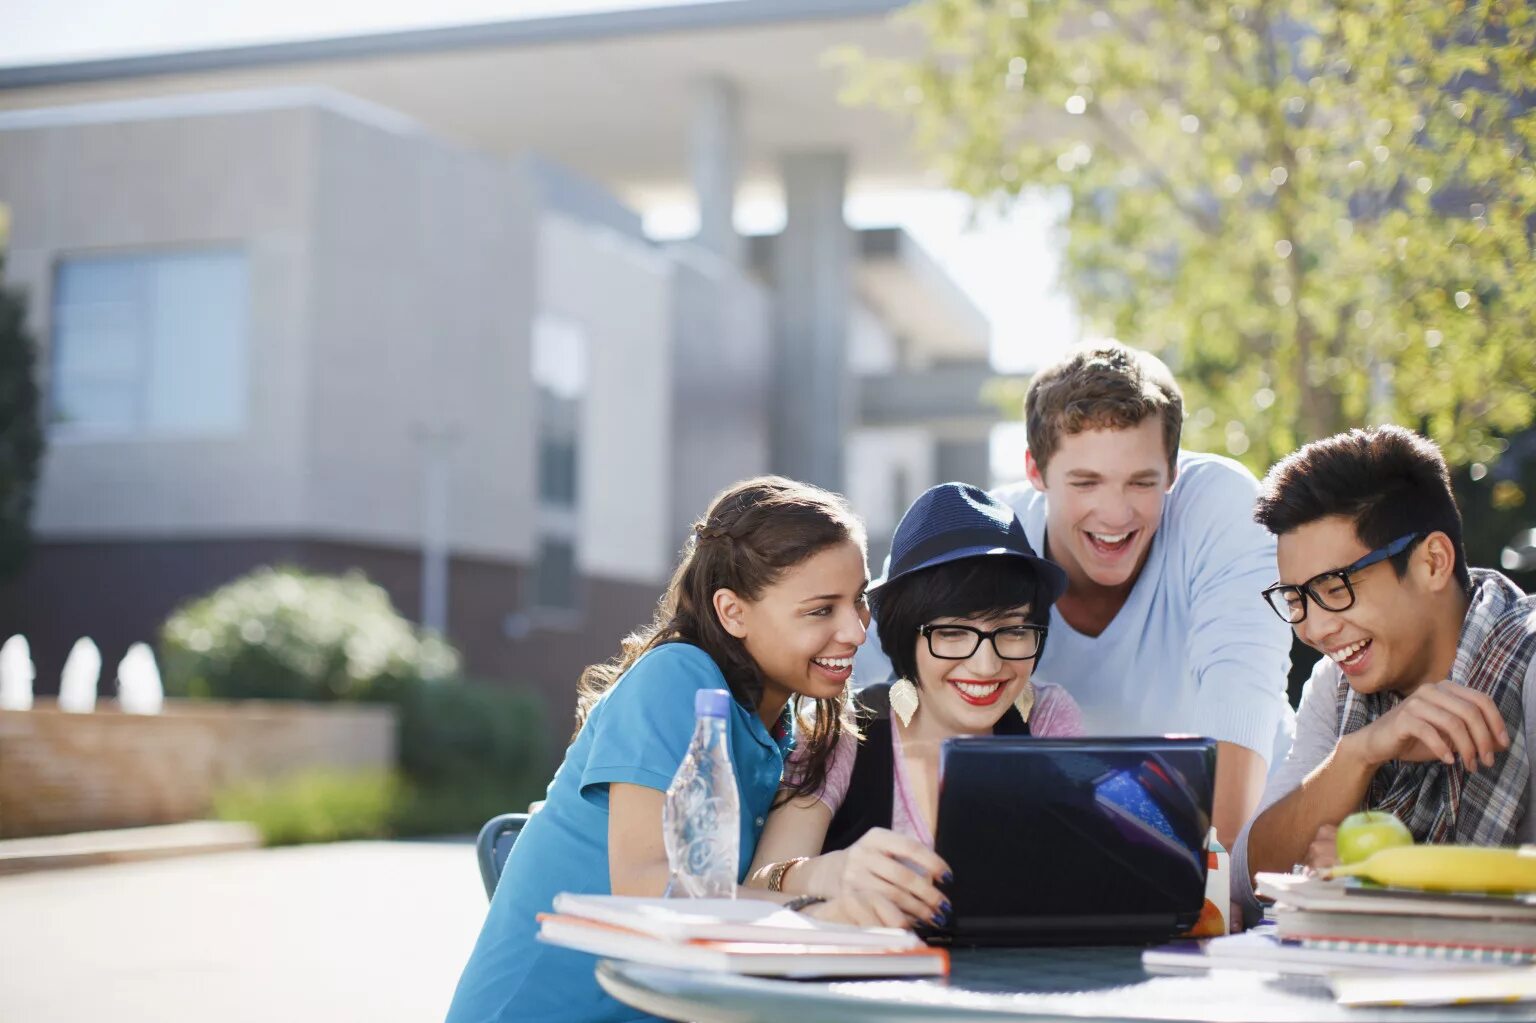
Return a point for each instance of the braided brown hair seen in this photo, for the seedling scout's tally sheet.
(752, 534)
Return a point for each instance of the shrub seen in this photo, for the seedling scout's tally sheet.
(469, 752)
(466, 752)
(452, 731)
(282, 633)
(315, 806)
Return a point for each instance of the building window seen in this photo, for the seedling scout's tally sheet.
(554, 584)
(560, 378)
(901, 486)
(560, 382)
(148, 345)
(557, 471)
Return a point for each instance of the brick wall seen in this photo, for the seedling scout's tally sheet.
(64, 772)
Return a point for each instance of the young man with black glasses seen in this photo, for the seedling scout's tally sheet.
(1424, 704)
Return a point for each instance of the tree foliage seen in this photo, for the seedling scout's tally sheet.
(1319, 211)
(21, 435)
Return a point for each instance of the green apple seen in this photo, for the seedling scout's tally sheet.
(1361, 834)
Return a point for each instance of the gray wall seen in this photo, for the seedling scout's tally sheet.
(170, 183)
(391, 286)
(617, 289)
(722, 373)
(423, 291)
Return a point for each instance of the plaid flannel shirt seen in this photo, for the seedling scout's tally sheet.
(1442, 802)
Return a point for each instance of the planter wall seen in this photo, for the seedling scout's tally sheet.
(64, 772)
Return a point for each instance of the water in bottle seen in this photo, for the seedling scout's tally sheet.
(701, 817)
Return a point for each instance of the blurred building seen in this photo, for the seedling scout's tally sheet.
(378, 303)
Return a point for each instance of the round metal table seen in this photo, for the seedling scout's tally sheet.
(1016, 983)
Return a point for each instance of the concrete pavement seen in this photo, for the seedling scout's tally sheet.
(374, 931)
(123, 845)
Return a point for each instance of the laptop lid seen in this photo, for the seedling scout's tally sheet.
(1074, 841)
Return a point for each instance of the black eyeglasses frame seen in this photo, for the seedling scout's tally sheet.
(1275, 596)
(1039, 631)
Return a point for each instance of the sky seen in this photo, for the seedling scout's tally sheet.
(1007, 264)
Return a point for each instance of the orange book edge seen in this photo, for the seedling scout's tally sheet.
(763, 947)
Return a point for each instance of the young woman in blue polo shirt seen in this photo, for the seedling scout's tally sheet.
(768, 602)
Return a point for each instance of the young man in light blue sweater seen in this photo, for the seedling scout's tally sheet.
(1159, 630)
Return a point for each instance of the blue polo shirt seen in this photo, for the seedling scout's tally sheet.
(637, 733)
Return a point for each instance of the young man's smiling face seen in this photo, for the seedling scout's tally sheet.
(1105, 490)
(1380, 642)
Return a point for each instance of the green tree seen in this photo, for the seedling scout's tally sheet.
(1319, 211)
(21, 435)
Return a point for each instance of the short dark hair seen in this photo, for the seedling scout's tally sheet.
(986, 586)
(1105, 386)
(1390, 481)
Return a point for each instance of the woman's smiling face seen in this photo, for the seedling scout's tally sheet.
(969, 696)
(804, 628)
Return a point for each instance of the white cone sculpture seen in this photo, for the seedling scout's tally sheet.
(16, 674)
(82, 670)
(138, 681)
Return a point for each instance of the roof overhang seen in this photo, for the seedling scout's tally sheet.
(608, 94)
(907, 292)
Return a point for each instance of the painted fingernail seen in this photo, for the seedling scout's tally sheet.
(940, 919)
(946, 908)
(949, 876)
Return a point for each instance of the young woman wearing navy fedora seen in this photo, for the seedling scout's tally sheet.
(768, 603)
(962, 615)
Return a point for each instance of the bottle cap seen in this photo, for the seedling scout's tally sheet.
(712, 703)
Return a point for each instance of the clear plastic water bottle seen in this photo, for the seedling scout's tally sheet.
(701, 817)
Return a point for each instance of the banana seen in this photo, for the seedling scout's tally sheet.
(1448, 868)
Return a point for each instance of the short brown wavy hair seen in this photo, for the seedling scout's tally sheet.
(1106, 385)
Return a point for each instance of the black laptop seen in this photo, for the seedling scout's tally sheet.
(1073, 841)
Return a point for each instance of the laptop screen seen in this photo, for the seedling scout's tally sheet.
(1067, 840)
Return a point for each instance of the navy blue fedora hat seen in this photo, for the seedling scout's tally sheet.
(951, 521)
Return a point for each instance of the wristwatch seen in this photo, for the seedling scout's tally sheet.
(800, 902)
(777, 871)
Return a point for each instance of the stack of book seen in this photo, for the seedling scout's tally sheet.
(1350, 916)
(1380, 945)
(747, 936)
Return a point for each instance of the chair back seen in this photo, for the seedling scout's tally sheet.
(493, 845)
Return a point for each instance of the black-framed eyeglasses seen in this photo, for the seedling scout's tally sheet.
(1331, 591)
(957, 642)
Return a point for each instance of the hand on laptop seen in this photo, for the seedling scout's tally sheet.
(894, 867)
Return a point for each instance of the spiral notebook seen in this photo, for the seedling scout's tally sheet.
(1422, 951)
(1261, 951)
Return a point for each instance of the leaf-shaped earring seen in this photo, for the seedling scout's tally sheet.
(903, 697)
(1026, 701)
